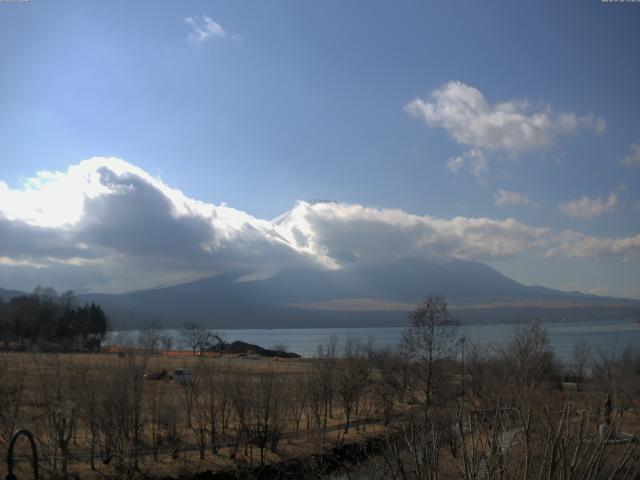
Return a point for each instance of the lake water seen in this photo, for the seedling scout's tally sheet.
(604, 336)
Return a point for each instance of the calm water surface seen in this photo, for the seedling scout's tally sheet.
(603, 336)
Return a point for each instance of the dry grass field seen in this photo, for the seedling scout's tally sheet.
(163, 428)
(500, 415)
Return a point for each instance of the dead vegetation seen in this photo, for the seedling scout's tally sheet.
(497, 412)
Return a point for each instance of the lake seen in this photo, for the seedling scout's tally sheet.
(604, 336)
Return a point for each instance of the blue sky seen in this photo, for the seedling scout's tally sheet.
(350, 101)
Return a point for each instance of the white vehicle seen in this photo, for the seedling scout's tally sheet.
(183, 376)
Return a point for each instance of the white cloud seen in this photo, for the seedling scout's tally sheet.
(337, 233)
(576, 244)
(107, 209)
(473, 161)
(10, 262)
(504, 198)
(634, 156)
(108, 225)
(204, 28)
(585, 208)
(513, 127)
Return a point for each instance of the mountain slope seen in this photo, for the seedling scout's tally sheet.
(7, 295)
(382, 294)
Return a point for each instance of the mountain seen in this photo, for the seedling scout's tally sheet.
(372, 295)
(6, 295)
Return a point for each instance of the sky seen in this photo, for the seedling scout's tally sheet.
(161, 141)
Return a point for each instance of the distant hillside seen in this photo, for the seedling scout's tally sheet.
(7, 295)
(359, 296)
(379, 295)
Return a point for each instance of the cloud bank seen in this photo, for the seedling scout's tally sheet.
(577, 244)
(107, 225)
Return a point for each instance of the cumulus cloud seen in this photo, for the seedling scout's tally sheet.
(633, 159)
(112, 215)
(339, 234)
(106, 225)
(586, 208)
(505, 198)
(203, 28)
(514, 127)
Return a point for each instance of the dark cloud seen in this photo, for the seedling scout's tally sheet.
(140, 220)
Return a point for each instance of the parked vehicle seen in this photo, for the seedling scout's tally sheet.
(183, 376)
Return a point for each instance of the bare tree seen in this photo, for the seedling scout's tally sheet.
(325, 365)
(209, 407)
(202, 389)
(150, 335)
(240, 400)
(195, 336)
(12, 390)
(430, 339)
(112, 402)
(123, 339)
(530, 356)
(60, 409)
(389, 386)
(508, 443)
(267, 412)
(163, 419)
(619, 376)
(132, 370)
(167, 342)
(190, 392)
(488, 373)
(297, 399)
(581, 353)
(89, 412)
(353, 375)
(413, 453)
(315, 393)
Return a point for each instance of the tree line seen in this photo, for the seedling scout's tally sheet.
(50, 321)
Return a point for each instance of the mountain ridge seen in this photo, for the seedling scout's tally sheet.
(371, 295)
